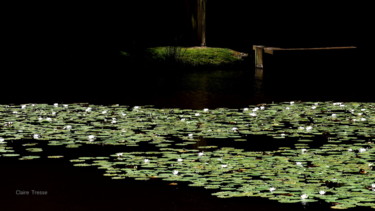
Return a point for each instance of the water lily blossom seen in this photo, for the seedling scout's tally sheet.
(2, 140)
(120, 154)
(88, 109)
(68, 127)
(362, 150)
(304, 196)
(146, 160)
(197, 114)
(56, 105)
(303, 151)
(36, 136)
(200, 154)
(272, 189)
(205, 110)
(175, 172)
(91, 138)
(224, 166)
(253, 114)
(180, 160)
(322, 192)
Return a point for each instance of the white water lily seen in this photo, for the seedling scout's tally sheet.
(114, 121)
(272, 189)
(175, 172)
(334, 115)
(224, 166)
(15, 112)
(304, 196)
(363, 119)
(88, 109)
(23, 106)
(322, 192)
(308, 128)
(146, 160)
(120, 154)
(262, 108)
(362, 150)
(234, 129)
(53, 113)
(298, 163)
(253, 114)
(373, 185)
(2, 140)
(313, 107)
(55, 105)
(136, 107)
(287, 108)
(123, 114)
(197, 114)
(205, 110)
(91, 138)
(301, 128)
(66, 106)
(180, 160)
(190, 135)
(200, 154)
(282, 135)
(36, 136)
(183, 120)
(303, 151)
(245, 109)
(291, 102)
(255, 109)
(68, 127)
(48, 119)
(104, 112)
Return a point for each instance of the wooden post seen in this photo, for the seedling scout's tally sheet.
(258, 55)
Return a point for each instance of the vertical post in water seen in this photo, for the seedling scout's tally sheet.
(258, 55)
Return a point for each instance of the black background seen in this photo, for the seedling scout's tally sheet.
(69, 52)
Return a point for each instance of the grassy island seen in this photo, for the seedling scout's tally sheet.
(193, 57)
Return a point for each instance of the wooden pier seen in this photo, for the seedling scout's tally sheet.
(260, 49)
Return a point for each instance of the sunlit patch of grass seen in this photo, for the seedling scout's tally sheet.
(197, 56)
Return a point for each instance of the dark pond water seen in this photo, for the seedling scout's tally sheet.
(309, 76)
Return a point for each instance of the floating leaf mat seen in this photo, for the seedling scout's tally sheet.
(322, 151)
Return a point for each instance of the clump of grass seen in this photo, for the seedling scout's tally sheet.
(196, 56)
